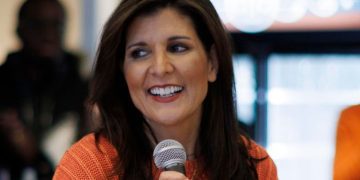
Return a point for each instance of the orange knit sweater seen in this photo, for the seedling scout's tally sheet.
(84, 160)
(347, 156)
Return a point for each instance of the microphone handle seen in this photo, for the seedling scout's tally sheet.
(176, 167)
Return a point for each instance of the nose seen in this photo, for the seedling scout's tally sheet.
(161, 64)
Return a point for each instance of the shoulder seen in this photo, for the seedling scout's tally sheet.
(14, 56)
(349, 117)
(351, 111)
(265, 167)
(88, 159)
(72, 59)
(12, 60)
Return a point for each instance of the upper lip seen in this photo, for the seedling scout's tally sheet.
(164, 85)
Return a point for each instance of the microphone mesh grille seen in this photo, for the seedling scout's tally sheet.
(169, 152)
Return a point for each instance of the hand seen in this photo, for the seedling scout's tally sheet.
(19, 137)
(172, 175)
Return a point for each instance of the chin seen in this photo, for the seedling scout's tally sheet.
(166, 120)
(49, 52)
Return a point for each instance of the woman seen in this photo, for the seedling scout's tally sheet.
(164, 71)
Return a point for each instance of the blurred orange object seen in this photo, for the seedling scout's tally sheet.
(347, 156)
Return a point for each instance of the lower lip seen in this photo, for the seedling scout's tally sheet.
(166, 99)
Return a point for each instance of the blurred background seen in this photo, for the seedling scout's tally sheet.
(297, 65)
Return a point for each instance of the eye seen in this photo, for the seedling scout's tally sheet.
(139, 53)
(177, 48)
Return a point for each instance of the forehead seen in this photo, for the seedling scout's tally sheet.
(167, 20)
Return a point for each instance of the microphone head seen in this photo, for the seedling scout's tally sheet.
(169, 153)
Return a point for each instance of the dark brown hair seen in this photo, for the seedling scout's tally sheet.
(224, 153)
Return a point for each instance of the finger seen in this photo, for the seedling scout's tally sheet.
(172, 175)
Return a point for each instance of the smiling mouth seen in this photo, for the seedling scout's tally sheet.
(167, 91)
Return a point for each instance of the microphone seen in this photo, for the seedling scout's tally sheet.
(170, 155)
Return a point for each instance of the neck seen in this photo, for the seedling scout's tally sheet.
(186, 134)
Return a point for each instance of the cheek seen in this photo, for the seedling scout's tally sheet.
(197, 70)
(134, 77)
(197, 76)
(131, 81)
(130, 76)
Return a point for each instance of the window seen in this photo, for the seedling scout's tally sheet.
(245, 88)
(305, 96)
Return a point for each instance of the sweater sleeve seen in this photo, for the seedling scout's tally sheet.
(87, 160)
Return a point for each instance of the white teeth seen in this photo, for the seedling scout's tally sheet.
(166, 91)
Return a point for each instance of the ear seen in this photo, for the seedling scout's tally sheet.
(213, 64)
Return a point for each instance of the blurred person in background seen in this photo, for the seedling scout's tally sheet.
(40, 86)
(347, 155)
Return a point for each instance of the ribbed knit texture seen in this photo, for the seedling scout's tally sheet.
(84, 160)
(347, 156)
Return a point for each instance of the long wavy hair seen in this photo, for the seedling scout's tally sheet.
(224, 154)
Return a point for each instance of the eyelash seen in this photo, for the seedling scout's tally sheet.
(175, 48)
(136, 53)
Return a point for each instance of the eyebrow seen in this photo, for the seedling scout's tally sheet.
(136, 44)
(172, 38)
(178, 37)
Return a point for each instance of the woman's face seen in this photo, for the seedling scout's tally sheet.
(167, 69)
